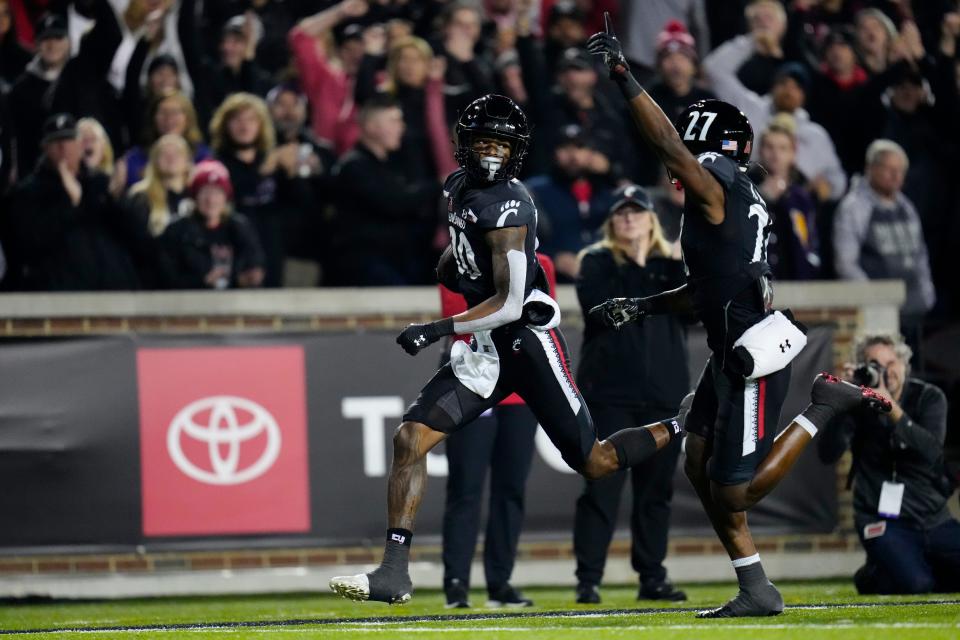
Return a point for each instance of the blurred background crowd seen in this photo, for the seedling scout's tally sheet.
(152, 144)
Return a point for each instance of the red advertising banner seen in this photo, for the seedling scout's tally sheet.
(223, 433)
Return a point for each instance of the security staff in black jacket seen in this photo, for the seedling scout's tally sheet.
(630, 377)
(900, 488)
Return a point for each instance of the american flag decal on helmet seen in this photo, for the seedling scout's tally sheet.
(728, 145)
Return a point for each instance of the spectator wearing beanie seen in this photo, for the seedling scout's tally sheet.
(674, 88)
(643, 21)
(214, 248)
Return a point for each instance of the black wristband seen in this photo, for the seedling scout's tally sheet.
(443, 327)
(629, 86)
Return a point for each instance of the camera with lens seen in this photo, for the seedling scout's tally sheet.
(869, 374)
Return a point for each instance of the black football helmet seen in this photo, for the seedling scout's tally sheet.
(492, 116)
(717, 126)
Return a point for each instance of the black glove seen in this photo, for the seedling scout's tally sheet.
(417, 337)
(605, 44)
(617, 312)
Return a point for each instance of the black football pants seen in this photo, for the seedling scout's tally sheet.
(503, 442)
(597, 506)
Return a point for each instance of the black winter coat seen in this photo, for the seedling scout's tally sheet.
(55, 246)
(644, 364)
(188, 248)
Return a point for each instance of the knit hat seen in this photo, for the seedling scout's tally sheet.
(211, 172)
(795, 71)
(675, 37)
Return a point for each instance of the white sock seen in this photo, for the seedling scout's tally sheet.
(808, 426)
(742, 562)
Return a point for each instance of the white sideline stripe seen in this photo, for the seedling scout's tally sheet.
(750, 417)
(553, 357)
(677, 627)
(390, 625)
(303, 631)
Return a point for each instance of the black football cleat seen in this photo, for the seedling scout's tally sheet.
(660, 591)
(507, 596)
(588, 593)
(457, 595)
(758, 602)
(843, 396)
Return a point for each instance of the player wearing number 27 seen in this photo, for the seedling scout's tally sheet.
(516, 346)
(734, 456)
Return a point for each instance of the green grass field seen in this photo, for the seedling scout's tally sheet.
(815, 610)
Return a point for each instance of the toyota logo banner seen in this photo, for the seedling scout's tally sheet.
(197, 441)
(223, 440)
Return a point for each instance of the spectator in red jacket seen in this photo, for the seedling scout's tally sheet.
(327, 75)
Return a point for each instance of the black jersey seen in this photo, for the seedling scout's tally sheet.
(472, 212)
(725, 262)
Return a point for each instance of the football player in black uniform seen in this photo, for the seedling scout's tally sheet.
(516, 345)
(734, 456)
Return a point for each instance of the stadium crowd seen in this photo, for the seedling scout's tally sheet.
(324, 130)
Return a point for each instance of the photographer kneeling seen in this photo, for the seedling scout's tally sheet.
(900, 488)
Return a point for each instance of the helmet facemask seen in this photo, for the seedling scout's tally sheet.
(485, 167)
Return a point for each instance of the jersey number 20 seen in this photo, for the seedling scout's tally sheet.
(463, 254)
